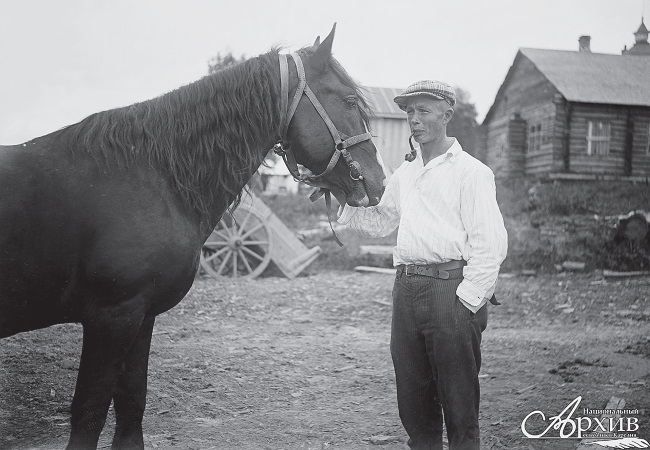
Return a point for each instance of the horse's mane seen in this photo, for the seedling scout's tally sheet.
(207, 136)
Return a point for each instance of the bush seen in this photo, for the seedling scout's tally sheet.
(602, 198)
(549, 223)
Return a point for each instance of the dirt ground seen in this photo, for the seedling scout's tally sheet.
(305, 364)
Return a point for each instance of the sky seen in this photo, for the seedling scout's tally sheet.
(63, 60)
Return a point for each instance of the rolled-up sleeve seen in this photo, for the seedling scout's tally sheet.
(487, 238)
(375, 221)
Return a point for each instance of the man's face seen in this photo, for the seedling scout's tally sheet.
(427, 118)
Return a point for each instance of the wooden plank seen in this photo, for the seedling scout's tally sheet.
(376, 249)
(594, 177)
(615, 274)
(384, 270)
(573, 265)
(288, 253)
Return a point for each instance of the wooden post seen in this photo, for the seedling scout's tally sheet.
(516, 158)
(566, 154)
(629, 139)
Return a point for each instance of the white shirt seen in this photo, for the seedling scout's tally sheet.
(446, 210)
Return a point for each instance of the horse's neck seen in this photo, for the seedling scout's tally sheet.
(207, 139)
(244, 137)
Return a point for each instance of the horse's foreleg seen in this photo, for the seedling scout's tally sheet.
(130, 395)
(106, 342)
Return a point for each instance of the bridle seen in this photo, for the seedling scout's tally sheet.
(341, 142)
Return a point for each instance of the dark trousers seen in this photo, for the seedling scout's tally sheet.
(435, 345)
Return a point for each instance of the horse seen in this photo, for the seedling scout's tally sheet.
(102, 222)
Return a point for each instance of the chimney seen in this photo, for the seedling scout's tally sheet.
(584, 44)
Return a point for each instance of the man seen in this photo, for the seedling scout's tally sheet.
(450, 245)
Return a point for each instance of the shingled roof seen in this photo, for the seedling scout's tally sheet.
(589, 77)
(595, 77)
(382, 102)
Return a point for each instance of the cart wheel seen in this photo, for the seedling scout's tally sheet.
(239, 246)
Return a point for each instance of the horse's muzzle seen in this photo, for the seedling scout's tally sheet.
(364, 201)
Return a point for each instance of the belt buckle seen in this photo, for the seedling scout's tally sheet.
(410, 270)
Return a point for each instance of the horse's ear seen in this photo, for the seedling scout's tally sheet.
(317, 41)
(321, 58)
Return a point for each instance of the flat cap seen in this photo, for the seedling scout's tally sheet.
(435, 89)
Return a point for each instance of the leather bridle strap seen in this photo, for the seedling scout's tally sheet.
(340, 144)
(302, 84)
(284, 94)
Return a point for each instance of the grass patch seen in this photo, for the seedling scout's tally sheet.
(549, 223)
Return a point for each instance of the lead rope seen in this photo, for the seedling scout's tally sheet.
(318, 193)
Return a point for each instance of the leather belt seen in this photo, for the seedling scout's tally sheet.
(440, 270)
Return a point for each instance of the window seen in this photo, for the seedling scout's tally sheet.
(598, 138)
(535, 138)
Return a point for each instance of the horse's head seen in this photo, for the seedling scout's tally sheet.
(357, 173)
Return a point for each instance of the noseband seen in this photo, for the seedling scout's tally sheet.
(341, 142)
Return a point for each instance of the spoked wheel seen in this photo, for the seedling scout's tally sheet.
(239, 246)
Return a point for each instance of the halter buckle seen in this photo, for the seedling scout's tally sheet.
(278, 149)
(355, 171)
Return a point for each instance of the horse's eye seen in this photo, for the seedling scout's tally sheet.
(351, 102)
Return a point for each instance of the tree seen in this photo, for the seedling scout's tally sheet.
(220, 62)
(464, 125)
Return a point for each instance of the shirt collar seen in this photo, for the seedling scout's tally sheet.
(451, 153)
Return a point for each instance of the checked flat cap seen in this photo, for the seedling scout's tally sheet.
(435, 89)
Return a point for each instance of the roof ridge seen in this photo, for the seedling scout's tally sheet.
(567, 51)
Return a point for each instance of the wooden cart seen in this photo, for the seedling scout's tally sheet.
(244, 243)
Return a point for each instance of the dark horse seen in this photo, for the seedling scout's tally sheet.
(101, 223)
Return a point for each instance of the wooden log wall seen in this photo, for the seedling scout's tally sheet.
(527, 95)
(640, 141)
(612, 163)
(515, 158)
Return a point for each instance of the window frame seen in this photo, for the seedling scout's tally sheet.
(535, 138)
(599, 144)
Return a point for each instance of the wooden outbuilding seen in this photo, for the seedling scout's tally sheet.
(572, 115)
(389, 128)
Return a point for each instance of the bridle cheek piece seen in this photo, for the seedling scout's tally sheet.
(341, 142)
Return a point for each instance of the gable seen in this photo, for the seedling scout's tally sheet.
(524, 87)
